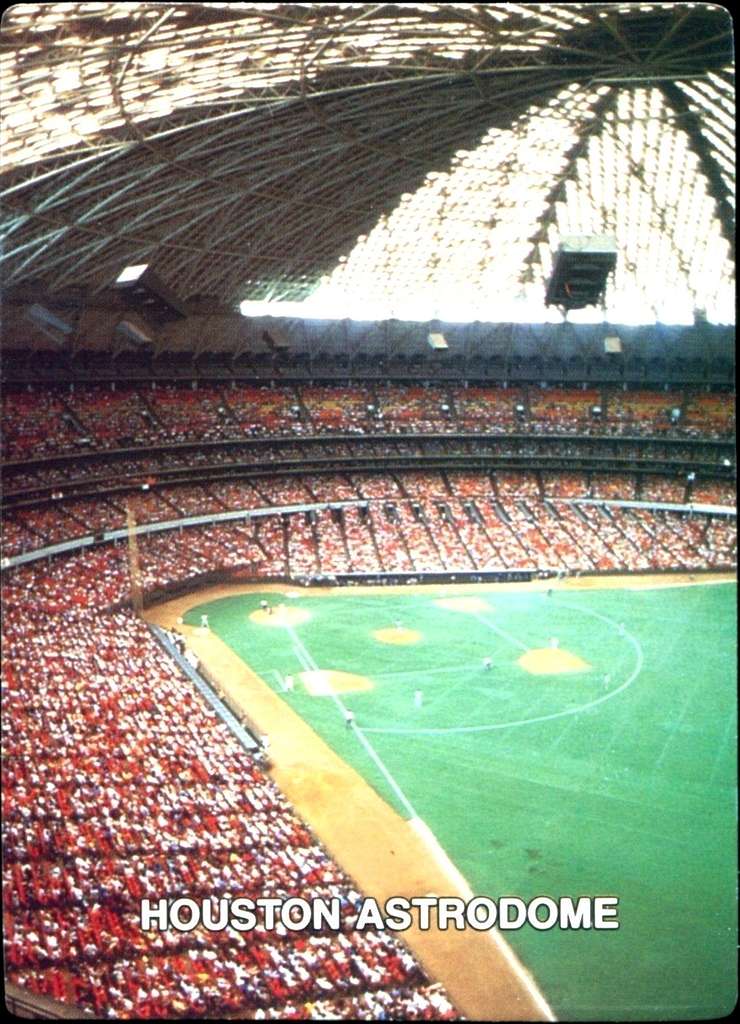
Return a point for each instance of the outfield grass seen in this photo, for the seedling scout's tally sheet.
(616, 780)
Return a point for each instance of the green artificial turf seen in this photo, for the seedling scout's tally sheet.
(630, 796)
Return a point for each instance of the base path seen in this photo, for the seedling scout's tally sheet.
(384, 854)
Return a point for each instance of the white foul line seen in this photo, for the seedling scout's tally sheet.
(307, 661)
(517, 968)
(437, 851)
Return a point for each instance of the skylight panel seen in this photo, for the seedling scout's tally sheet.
(655, 217)
(205, 62)
(637, 174)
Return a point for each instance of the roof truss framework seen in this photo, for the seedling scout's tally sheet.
(243, 149)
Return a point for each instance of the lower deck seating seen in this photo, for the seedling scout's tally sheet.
(33, 528)
(400, 535)
(120, 783)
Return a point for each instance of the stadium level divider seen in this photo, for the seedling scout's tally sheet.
(168, 524)
(221, 517)
(667, 506)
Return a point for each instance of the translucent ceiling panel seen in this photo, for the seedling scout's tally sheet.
(462, 246)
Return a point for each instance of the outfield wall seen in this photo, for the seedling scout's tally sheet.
(234, 577)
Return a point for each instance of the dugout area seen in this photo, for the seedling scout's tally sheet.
(610, 771)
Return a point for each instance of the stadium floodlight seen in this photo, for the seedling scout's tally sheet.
(275, 339)
(128, 330)
(142, 290)
(580, 269)
(437, 341)
(133, 273)
(50, 325)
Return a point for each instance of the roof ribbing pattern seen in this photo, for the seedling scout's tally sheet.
(348, 150)
(452, 251)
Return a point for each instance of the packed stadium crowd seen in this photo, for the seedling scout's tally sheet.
(119, 783)
(396, 533)
(27, 529)
(96, 472)
(45, 422)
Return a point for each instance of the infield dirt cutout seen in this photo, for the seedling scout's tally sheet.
(464, 604)
(552, 661)
(397, 635)
(280, 616)
(325, 682)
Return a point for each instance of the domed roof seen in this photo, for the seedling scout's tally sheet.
(390, 160)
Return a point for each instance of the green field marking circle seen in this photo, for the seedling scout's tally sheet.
(451, 730)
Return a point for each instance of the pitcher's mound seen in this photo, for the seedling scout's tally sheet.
(397, 635)
(552, 661)
(464, 604)
(280, 616)
(325, 682)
